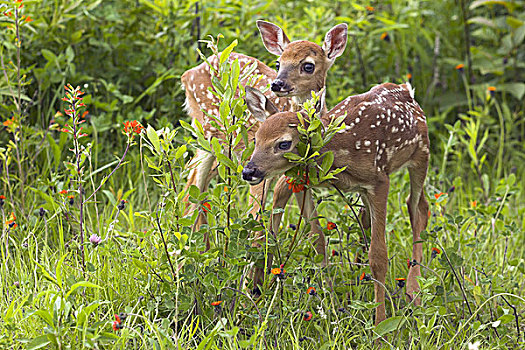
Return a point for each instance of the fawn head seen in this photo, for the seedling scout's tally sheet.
(277, 136)
(302, 65)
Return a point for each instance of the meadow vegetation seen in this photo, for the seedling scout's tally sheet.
(96, 248)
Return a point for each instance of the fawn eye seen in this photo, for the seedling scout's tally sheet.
(277, 65)
(308, 67)
(284, 145)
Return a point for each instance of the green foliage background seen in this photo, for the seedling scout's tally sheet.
(129, 55)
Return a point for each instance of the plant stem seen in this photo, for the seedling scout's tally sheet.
(113, 171)
(157, 220)
(466, 30)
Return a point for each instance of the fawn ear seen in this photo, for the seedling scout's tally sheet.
(335, 41)
(258, 104)
(274, 38)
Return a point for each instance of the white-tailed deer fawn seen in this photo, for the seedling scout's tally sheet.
(385, 131)
(302, 67)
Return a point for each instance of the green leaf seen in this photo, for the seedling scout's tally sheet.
(52, 205)
(81, 284)
(153, 138)
(86, 311)
(516, 89)
(506, 319)
(38, 342)
(389, 325)
(328, 160)
(234, 77)
(58, 270)
(227, 51)
(180, 151)
(48, 55)
(221, 158)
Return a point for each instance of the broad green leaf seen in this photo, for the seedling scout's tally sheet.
(154, 139)
(328, 160)
(389, 325)
(180, 151)
(38, 342)
(48, 55)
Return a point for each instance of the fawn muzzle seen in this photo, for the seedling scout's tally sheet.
(252, 175)
(280, 87)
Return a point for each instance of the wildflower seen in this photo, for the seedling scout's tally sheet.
(17, 284)
(460, 67)
(385, 37)
(9, 122)
(11, 221)
(491, 90)
(307, 316)
(122, 204)
(42, 212)
(311, 291)
(411, 263)
(116, 326)
(95, 239)
(279, 272)
(293, 227)
(452, 189)
(206, 207)
(335, 252)
(437, 195)
(400, 282)
(474, 204)
(132, 127)
(28, 19)
(296, 185)
(505, 60)
(370, 8)
(409, 77)
(216, 303)
(71, 199)
(63, 192)
(365, 277)
(2, 197)
(330, 225)
(119, 318)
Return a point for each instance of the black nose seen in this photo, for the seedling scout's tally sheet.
(277, 85)
(247, 173)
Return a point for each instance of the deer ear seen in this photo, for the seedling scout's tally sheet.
(258, 104)
(335, 41)
(274, 38)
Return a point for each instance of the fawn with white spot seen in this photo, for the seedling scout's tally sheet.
(385, 130)
(303, 69)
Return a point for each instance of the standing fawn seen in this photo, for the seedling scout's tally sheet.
(302, 68)
(385, 130)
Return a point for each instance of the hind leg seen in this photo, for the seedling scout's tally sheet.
(418, 211)
(200, 176)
